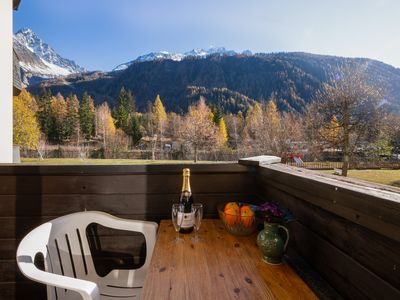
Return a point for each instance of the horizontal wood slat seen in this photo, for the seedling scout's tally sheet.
(51, 205)
(9, 271)
(347, 230)
(378, 214)
(224, 168)
(376, 252)
(125, 184)
(353, 280)
(8, 248)
(32, 195)
(22, 290)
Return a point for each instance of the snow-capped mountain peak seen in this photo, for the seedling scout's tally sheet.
(40, 61)
(159, 56)
(162, 55)
(202, 53)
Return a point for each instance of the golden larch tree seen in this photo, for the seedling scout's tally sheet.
(159, 113)
(104, 123)
(26, 126)
(272, 114)
(330, 131)
(223, 131)
(159, 118)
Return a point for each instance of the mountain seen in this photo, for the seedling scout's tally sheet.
(195, 53)
(233, 82)
(39, 61)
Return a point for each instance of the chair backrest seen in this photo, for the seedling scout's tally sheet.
(65, 248)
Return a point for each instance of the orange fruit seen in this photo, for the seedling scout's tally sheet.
(231, 205)
(232, 213)
(246, 216)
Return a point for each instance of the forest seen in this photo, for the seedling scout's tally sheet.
(345, 121)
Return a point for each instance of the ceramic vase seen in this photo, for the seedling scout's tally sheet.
(271, 242)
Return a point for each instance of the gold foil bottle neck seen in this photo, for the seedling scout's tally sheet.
(186, 172)
(186, 181)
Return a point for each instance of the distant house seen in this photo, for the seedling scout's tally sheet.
(147, 142)
(17, 81)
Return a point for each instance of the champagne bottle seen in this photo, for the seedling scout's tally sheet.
(186, 198)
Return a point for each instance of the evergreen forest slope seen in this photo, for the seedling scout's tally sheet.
(230, 82)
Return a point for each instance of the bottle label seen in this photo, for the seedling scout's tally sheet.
(186, 220)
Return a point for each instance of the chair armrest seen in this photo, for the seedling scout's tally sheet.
(127, 224)
(87, 289)
(149, 229)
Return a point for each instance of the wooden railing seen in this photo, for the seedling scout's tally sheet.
(317, 165)
(31, 195)
(328, 165)
(348, 230)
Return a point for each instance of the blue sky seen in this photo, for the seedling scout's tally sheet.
(100, 34)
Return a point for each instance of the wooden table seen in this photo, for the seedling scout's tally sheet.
(219, 266)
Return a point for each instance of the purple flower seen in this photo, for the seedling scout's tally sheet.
(270, 212)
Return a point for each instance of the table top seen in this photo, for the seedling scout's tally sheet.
(219, 266)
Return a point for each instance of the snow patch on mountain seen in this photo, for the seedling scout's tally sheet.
(40, 61)
(163, 55)
(49, 71)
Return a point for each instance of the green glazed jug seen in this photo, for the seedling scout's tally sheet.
(271, 243)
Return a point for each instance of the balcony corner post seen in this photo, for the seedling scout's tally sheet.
(260, 160)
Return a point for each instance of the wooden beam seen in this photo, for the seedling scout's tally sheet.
(260, 160)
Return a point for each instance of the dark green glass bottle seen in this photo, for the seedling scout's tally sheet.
(186, 199)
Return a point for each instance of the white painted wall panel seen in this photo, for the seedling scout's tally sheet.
(6, 82)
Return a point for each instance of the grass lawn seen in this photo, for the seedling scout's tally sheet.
(388, 177)
(76, 161)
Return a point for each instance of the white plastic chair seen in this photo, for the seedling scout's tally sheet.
(68, 261)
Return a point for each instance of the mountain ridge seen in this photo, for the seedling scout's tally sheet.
(194, 53)
(292, 78)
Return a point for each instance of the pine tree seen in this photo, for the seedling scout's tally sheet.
(217, 115)
(124, 109)
(72, 117)
(59, 111)
(87, 116)
(45, 113)
(135, 130)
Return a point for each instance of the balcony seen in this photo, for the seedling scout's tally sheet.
(345, 240)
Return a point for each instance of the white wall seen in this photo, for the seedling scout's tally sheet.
(6, 81)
